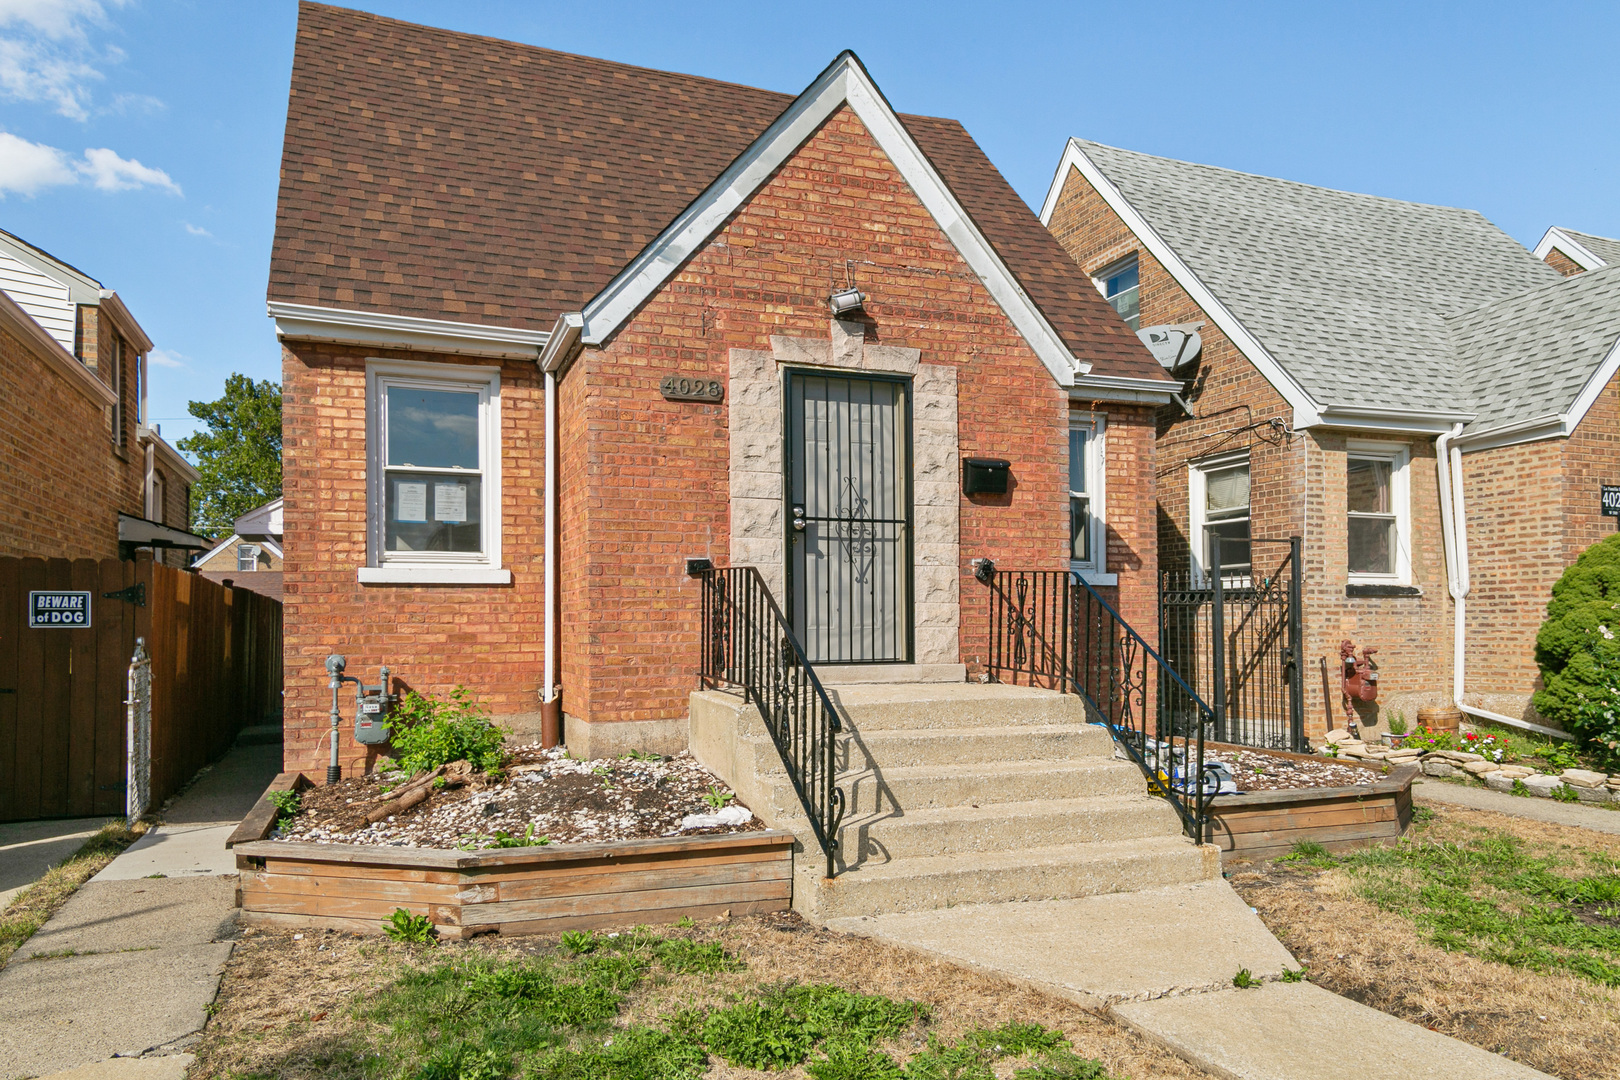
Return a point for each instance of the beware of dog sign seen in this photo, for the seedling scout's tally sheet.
(58, 610)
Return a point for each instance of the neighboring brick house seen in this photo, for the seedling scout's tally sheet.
(250, 558)
(84, 475)
(473, 236)
(1570, 252)
(1355, 350)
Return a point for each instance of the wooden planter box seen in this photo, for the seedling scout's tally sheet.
(511, 890)
(1267, 824)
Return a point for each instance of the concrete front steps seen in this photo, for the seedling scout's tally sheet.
(958, 793)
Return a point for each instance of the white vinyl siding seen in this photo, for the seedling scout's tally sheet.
(46, 300)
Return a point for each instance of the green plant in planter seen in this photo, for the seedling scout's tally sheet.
(427, 732)
(1397, 723)
(287, 804)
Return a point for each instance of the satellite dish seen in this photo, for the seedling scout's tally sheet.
(1174, 346)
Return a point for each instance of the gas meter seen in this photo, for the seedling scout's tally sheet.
(373, 705)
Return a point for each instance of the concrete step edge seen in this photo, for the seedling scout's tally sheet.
(1099, 851)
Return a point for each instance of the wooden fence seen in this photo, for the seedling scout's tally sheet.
(216, 667)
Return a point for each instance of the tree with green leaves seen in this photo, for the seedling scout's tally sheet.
(238, 456)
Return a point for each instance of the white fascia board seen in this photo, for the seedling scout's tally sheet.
(216, 549)
(1305, 408)
(170, 454)
(273, 547)
(113, 304)
(50, 350)
(1121, 388)
(561, 345)
(846, 82)
(1383, 418)
(1577, 252)
(308, 322)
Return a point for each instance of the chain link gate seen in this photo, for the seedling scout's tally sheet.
(1237, 640)
(138, 738)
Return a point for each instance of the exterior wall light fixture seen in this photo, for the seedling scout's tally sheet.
(847, 300)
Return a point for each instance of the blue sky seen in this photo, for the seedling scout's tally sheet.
(139, 140)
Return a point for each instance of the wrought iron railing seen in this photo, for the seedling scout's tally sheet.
(1236, 638)
(1051, 628)
(748, 644)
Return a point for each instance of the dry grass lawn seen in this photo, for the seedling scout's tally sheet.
(286, 1007)
(30, 909)
(1561, 1023)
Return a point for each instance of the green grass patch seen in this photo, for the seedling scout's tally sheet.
(32, 908)
(1489, 895)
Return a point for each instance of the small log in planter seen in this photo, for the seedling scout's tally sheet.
(1262, 825)
(514, 890)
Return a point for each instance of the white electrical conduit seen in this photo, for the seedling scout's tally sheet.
(1454, 532)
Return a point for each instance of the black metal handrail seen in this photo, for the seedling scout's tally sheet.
(1051, 628)
(748, 644)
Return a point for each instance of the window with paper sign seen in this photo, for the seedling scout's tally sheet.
(435, 447)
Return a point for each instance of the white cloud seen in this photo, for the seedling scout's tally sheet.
(166, 358)
(28, 167)
(109, 172)
(123, 104)
(197, 230)
(46, 55)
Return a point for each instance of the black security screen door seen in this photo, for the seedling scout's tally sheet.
(849, 517)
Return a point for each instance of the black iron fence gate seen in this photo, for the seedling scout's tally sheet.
(1236, 640)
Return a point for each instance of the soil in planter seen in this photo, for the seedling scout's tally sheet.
(540, 796)
(1256, 770)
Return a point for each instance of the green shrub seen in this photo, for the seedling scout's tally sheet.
(1578, 649)
(428, 732)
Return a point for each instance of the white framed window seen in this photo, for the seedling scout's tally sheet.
(1120, 286)
(247, 557)
(116, 372)
(1088, 530)
(433, 478)
(1378, 525)
(158, 496)
(1218, 503)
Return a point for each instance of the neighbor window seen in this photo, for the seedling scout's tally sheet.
(1119, 284)
(1220, 505)
(1375, 508)
(247, 556)
(116, 372)
(1088, 540)
(435, 501)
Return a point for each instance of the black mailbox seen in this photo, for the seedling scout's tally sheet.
(985, 475)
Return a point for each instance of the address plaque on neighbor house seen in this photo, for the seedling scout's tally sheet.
(1610, 502)
(691, 388)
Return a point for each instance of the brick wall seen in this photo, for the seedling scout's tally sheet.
(61, 486)
(434, 637)
(1296, 483)
(1562, 263)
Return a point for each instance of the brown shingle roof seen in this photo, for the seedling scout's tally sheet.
(448, 176)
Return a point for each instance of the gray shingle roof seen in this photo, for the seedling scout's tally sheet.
(1529, 355)
(1601, 246)
(1344, 290)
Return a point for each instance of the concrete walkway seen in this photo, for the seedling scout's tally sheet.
(1161, 961)
(130, 963)
(29, 848)
(1549, 810)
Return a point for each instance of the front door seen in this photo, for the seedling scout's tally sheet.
(849, 517)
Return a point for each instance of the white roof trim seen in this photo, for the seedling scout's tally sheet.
(173, 456)
(1123, 388)
(1306, 412)
(1577, 252)
(308, 322)
(216, 549)
(1386, 418)
(845, 82)
(50, 350)
(273, 547)
(113, 305)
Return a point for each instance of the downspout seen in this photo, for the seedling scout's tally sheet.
(559, 349)
(1454, 532)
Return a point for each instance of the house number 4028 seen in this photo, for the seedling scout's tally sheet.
(691, 388)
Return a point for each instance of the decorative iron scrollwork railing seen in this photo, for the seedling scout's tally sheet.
(1051, 628)
(747, 643)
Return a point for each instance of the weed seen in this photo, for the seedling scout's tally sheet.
(1243, 980)
(428, 732)
(853, 1060)
(637, 1053)
(684, 957)
(1293, 975)
(1520, 790)
(1311, 853)
(151, 876)
(717, 797)
(641, 755)
(753, 1035)
(1064, 1064)
(287, 804)
(462, 1061)
(408, 928)
(502, 839)
(580, 942)
(950, 1061)
(1013, 1039)
(1422, 815)
(1565, 793)
(685, 922)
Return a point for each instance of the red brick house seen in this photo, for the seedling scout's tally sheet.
(1431, 407)
(554, 325)
(84, 475)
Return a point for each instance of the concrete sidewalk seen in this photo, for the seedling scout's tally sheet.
(133, 959)
(29, 848)
(1551, 811)
(1161, 961)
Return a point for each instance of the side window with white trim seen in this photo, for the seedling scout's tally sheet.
(1378, 525)
(434, 476)
(1120, 286)
(1088, 534)
(1219, 496)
